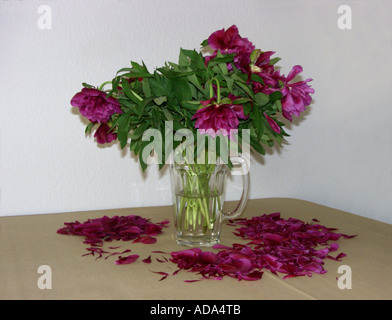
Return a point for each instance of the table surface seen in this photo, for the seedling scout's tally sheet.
(27, 242)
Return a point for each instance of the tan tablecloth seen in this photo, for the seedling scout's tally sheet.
(27, 242)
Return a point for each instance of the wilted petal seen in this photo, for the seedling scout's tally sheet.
(272, 123)
(152, 229)
(165, 275)
(145, 240)
(147, 260)
(252, 276)
(338, 257)
(333, 247)
(127, 260)
(132, 230)
(208, 258)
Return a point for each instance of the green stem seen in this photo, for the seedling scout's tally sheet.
(218, 93)
(103, 84)
(195, 203)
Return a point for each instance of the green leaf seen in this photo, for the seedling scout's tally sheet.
(240, 101)
(256, 78)
(124, 70)
(256, 145)
(140, 107)
(156, 117)
(89, 127)
(115, 83)
(258, 121)
(123, 128)
(223, 68)
(196, 59)
(86, 85)
(255, 55)
(138, 132)
(183, 60)
(126, 104)
(181, 89)
(143, 144)
(278, 105)
(229, 83)
(245, 88)
(128, 91)
(276, 95)
(195, 81)
(204, 43)
(221, 59)
(168, 115)
(146, 87)
(161, 86)
(247, 108)
(134, 146)
(137, 66)
(274, 60)
(192, 106)
(261, 98)
(159, 100)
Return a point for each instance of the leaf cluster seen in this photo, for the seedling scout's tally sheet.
(173, 93)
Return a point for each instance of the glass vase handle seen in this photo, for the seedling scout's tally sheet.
(240, 167)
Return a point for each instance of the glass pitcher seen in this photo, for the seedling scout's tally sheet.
(198, 194)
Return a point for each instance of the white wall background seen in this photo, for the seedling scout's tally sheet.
(339, 153)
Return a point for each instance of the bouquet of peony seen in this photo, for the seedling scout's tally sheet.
(231, 89)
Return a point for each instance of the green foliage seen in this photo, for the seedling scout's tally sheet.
(174, 93)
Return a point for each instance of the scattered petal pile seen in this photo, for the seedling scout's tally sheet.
(126, 228)
(291, 247)
(288, 246)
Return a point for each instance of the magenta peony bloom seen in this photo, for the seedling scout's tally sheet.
(94, 105)
(217, 118)
(267, 73)
(295, 95)
(103, 135)
(230, 41)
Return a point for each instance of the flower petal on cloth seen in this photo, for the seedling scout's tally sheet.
(147, 260)
(288, 246)
(145, 240)
(127, 260)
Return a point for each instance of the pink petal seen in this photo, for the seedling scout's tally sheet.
(147, 260)
(127, 260)
(145, 240)
(116, 253)
(272, 123)
(165, 275)
(208, 258)
(294, 72)
(152, 229)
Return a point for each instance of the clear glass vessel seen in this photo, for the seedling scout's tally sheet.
(198, 196)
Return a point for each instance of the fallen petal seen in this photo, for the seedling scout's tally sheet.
(147, 260)
(127, 260)
(145, 240)
(165, 275)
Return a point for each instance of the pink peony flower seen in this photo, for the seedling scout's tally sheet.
(230, 41)
(267, 73)
(94, 105)
(217, 118)
(104, 135)
(295, 95)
